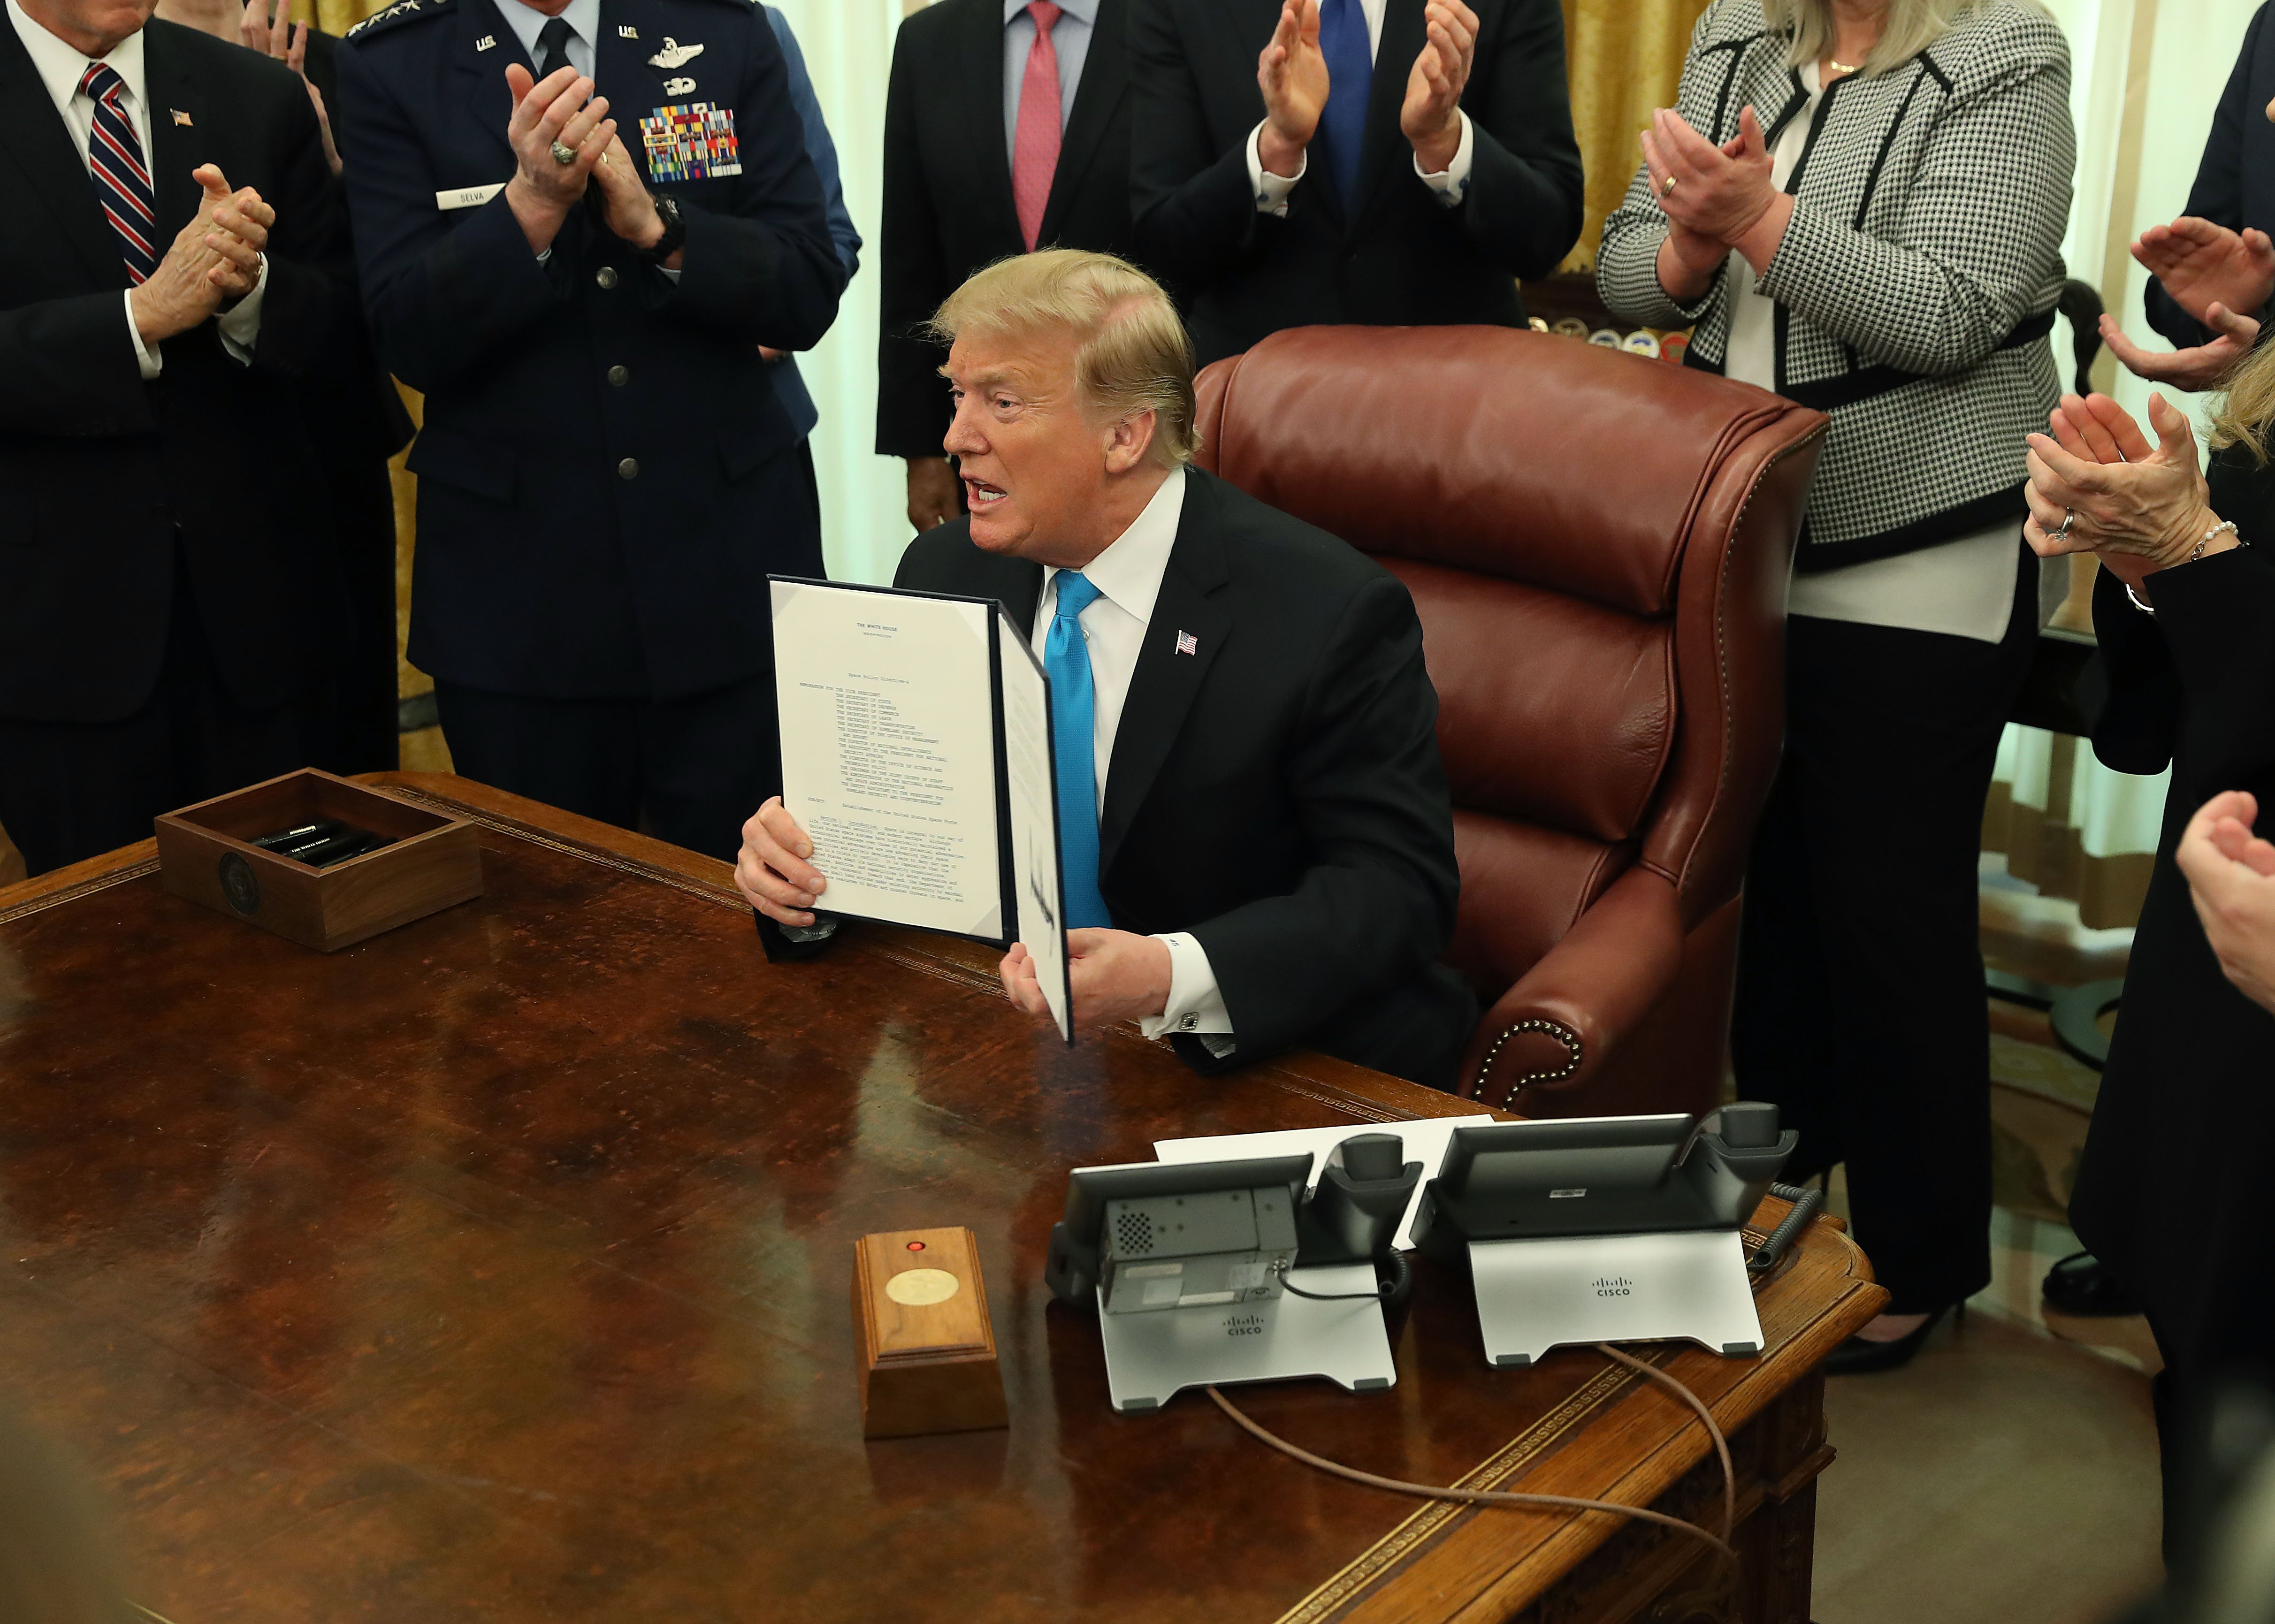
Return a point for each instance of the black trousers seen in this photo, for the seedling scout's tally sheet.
(70, 790)
(688, 771)
(1860, 1005)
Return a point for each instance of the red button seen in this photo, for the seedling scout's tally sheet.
(916, 1246)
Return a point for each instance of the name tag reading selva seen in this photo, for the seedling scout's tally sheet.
(691, 140)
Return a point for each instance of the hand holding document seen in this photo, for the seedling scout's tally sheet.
(916, 749)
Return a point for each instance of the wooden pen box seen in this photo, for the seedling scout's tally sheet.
(205, 854)
(928, 1348)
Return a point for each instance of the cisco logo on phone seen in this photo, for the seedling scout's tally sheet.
(1621, 1286)
(1244, 1324)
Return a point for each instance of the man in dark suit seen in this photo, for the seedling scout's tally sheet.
(1256, 837)
(157, 588)
(1390, 161)
(607, 473)
(972, 176)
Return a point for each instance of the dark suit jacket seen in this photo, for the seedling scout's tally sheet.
(607, 473)
(948, 209)
(1278, 793)
(2235, 181)
(99, 469)
(1401, 258)
(2184, 1101)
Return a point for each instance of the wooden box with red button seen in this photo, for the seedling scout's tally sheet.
(928, 1348)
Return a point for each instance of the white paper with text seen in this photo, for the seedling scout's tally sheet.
(1027, 768)
(888, 751)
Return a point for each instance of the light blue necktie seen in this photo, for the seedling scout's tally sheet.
(1066, 660)
(1350, 78)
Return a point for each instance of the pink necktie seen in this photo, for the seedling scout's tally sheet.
(1035, 144)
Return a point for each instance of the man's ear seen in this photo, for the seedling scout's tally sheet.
(1131, 441)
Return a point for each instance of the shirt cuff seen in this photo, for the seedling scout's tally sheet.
(1452, 183)
(147, 361)
(1270, 191)
(240, 327)
(1195, 1005)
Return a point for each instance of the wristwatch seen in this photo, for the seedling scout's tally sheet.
(674, 229)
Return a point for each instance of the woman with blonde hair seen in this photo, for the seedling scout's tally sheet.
(1860, 204)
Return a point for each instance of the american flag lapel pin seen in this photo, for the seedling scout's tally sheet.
(181, 117)
(1187, 644)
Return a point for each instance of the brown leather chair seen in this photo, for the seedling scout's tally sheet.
(1598, 545)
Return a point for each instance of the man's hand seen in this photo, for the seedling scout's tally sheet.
(1117, 975)
(1431, 117)
(630, 208)
(214, 259)
(1293, 76)
(2204, 367)
(2232, 880)
(772, 870)
(280, 37)
(562, 108)
(2202, 264)
(932, 492)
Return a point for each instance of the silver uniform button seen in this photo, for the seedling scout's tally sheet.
(629, 468)
(620, 375)
(606, 276)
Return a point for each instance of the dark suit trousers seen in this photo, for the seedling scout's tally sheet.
(70, 790)
(1860, 1004)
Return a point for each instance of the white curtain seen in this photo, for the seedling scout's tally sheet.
(2147, 75)
(848, 51)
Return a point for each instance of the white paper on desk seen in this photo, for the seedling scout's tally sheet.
(1030, 771)
(1425, 1141)
(888, 751)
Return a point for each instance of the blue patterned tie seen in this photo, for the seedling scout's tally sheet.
(1066, 660)
(1350, 77)
(122, 179)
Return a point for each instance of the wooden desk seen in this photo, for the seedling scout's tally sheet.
(496, 1269)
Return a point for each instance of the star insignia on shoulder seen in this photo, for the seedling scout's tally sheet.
(402, 10)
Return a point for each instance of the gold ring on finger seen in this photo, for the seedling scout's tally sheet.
(1666, 186)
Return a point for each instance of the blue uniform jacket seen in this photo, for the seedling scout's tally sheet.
(605, 475)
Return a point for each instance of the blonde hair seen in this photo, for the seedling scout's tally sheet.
(1912, 25)
(1132, 354)
(2247, 413)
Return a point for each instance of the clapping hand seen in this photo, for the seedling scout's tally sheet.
(2200, 366)
(1115, 975)
(2201, 264)
(1717, 192)
(2097, 485)
(2231, 875)
(563, 112)
(213, 260)
(1431, 117)
(1293, 76)
(629, 207)
(288, 42)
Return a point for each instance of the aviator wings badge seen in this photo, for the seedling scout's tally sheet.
(674, 54)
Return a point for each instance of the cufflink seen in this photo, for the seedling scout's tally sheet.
(1188, 1022)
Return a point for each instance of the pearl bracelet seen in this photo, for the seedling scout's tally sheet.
(2228, 525)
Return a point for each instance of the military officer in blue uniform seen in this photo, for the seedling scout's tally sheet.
(578, 222)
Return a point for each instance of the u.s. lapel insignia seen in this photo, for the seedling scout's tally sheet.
(183, 118)
(625, 31)
(674, 55)
(1188, 643)
(691, 140)
(679, 86)
(486, 43)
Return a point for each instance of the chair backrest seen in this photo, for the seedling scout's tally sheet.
(1598, 545)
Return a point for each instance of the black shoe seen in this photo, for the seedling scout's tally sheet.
(2081, 1284)
(1858, 1357)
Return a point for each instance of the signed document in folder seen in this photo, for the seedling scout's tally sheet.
(888, 751)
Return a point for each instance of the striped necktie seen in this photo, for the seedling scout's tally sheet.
(122, 179)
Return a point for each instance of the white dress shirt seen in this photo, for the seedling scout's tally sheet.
(1069, 37)
(1964, 587)
(1128, 575)
(61, 68)
(1450, 183)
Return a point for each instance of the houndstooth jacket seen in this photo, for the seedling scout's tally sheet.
(1917, 284)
